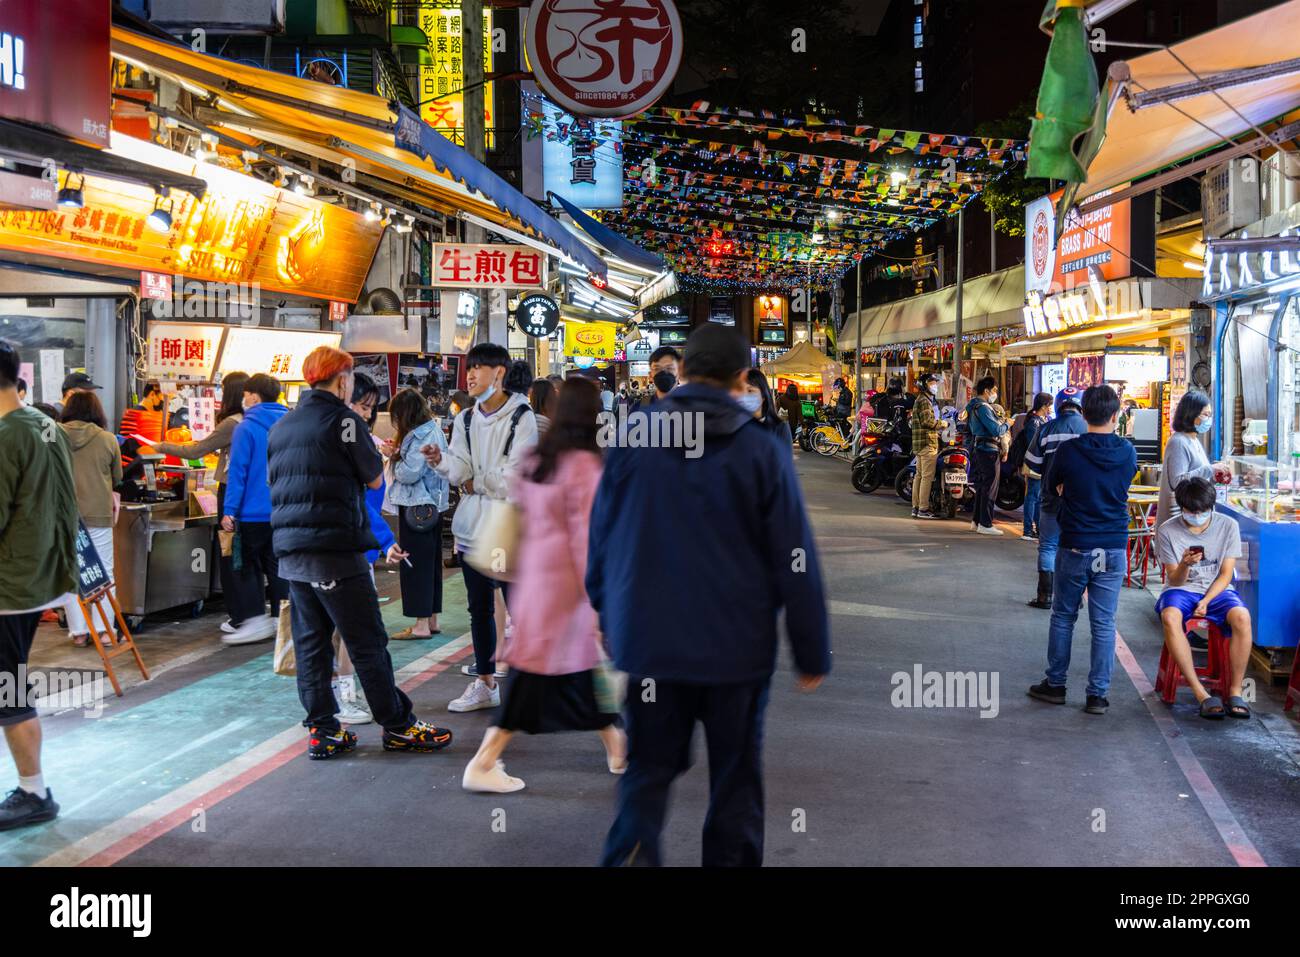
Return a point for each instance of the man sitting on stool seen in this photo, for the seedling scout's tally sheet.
(1199, 550)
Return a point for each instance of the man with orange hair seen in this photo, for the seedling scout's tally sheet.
(320, 462)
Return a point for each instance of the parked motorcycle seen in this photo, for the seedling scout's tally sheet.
(884, 451)
(950, 489)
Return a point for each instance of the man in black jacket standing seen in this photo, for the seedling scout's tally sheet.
(321, 459)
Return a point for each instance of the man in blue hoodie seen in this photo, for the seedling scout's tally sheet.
(1067, 426)
(247, 508)
(734, 549)
(1091, 475)
(986, 451)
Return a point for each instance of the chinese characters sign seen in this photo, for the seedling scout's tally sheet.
(91, 574)
(442, 69)
(182, 349)
(595, 340)
(276, 352)
(469, 266)
(203, 416)
(537, 315)
(604, 57)
(582, 159)
(1100, 239)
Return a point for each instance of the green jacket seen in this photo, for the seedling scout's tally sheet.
(925, 425)
(38, 512)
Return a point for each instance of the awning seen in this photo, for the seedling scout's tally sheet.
(335, 123)
(1150, 139)
(803, 359)
(1148, 321)
(621, 248)
(34, 146)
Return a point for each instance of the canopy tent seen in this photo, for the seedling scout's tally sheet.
(802, 361)
(352, 129)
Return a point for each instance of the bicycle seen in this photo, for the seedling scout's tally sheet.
(831, 436)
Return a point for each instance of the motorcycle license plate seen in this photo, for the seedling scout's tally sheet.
(954, 478)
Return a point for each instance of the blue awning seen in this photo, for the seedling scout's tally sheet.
(621, 248)
(414, 135)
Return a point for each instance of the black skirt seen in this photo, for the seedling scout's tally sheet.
(542, 704)
(421, 581)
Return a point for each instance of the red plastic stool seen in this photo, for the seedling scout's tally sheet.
(1293, 686)
(1215, 673)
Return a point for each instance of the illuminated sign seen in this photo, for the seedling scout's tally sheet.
(1152, 366)
(182, 349)
(595, 340)
(769, 309)
(537, 315)
(1099, 244)
(1230, 271)
(243, 231)
(582, 158)
(276, 352)
(442, 68)
(496, 266)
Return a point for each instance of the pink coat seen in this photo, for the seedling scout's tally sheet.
(555, 630)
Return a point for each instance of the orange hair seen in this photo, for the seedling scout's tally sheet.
(323, 363)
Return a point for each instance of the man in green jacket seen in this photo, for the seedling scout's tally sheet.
(925, 443)
(38, 529)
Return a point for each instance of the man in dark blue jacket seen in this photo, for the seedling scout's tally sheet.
(1067, 426)
(734, 549)
(986, 431)
(1091, 475)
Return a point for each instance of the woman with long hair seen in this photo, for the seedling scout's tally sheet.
(793, 406)
(1185, 456)
(555, 651)
(542, 397)
(420, 495)
(757, 400)
(96, 473)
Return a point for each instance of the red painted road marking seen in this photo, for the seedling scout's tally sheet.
(1225, 822)
(160, 826)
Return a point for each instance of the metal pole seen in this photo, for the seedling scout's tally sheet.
(961, 277)
(993, 242)
(808, 303)
(857, 360)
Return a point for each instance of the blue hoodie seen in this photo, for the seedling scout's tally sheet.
(378, 524)
(983, 424)
(1095, 471)
(731, 549)
(248, 496)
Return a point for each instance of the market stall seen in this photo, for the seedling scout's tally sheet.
(811, 370)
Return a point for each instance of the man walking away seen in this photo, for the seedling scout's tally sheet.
(1029, 426)
(1067, 425)
(986, 452)
(925, 443)
(1092, 475)
(321, 461)
(714, 664)
(38, 567)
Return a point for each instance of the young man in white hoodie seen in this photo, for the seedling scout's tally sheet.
(489, 442)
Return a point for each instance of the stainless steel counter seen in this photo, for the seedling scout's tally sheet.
(163, 558)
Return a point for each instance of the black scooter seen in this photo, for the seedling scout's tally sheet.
(885, 451)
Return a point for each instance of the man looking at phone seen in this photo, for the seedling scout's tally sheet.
(1199, 550)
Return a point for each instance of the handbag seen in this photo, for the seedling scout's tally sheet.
(493, 550)
(285, 660)
(422, 518)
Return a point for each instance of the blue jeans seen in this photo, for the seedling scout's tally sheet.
(1033, 492)
(1101, 573)
(1049, 533)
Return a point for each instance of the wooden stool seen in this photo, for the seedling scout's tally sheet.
(1215, 673)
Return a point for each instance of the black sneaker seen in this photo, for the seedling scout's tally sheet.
(326, 744)
(925, 513)
(1096, 704)
(472, 671)
(915, 512)
(420, 736)
(1047, 692)
(23, 808)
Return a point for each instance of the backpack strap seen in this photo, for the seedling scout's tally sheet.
(464, 417)
(514, 421)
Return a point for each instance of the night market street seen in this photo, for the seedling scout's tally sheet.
(215, 732)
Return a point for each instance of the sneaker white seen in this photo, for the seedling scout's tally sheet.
(476, 697)
(988, 531)
(1029, 538)
(228, 628)
(974, 526)
(495, 781)
(255, 629)
(351, 709)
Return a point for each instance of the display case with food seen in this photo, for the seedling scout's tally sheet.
(1261, 488)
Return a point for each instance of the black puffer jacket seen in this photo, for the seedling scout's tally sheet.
(320, 457)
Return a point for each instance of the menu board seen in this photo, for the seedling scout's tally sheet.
(277, 352)
(182, 349)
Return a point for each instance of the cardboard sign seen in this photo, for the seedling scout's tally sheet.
(203, 416)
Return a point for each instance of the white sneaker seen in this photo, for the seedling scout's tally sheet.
(228, 628)
(988, 531)
(476, 697)
(495, 781)
(974, 526)
(255, 629)
(351, 709)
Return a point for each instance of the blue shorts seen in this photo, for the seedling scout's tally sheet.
(1186, 602)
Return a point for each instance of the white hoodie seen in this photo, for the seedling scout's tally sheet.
(484, 460)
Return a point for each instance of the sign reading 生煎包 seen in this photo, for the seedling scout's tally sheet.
(502, 265)
(593, 340)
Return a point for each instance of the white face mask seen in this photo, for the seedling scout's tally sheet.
(1197, 519)
(751, 402)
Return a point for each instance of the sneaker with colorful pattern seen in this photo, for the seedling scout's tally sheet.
(420, 736)
(324, 743)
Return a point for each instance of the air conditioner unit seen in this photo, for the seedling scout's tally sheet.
(1279, 182)
(1230, 196)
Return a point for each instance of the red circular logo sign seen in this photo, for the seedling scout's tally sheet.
(611, 58)
(1042, 243)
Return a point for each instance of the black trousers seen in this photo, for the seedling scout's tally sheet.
(258, 577)
(422, 580)
(984, 476)
(482, 615)
(231, 591)
(350, 606)
(659, 735)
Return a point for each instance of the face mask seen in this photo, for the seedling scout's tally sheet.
(1204, 425)
(751, 402)
(664, 380)
(1196, 519)
(932, 388)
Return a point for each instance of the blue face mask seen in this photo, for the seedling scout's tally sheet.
(1196, 519)
(1204, 425)
(751, 402)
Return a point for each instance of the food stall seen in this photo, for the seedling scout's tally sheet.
(812, 371)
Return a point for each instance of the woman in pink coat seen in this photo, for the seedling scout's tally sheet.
(555, 643)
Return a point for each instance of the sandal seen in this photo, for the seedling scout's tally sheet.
(408, 634)
(1237, 707)
(81, 641)
(1212, 708)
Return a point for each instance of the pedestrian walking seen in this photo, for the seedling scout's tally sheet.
(665, 365)
(713, 663)
(1067, 426)
(555, 648)
(1185, 456)
(489, 443)
(420, 495)
(792, 406)
(1091, 474)
(756, 399)
(38, 567)
(247, 512)
(926, 426)
(986, 429)
(320, 461)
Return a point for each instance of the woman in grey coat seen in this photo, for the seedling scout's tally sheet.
(1185, 452)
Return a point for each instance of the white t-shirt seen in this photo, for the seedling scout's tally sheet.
(1222, 539)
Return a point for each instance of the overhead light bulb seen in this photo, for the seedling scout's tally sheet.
(71, 196)
(897, 177)
(372, 213)
(304, 186)
(161, 218)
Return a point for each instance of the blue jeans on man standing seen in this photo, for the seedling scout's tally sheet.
(1033, 492)
(1049, 535)
(1101, 573)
